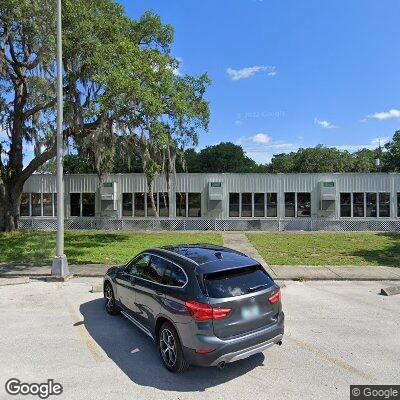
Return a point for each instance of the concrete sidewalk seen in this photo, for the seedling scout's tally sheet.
(37, 271)
(279, 272)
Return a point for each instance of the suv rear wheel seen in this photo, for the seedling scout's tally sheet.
(170, 349)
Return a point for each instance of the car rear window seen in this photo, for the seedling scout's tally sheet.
(236, 282)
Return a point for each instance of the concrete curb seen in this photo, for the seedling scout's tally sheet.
(14, 281)
(391, 290)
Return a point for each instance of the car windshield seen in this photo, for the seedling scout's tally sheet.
(236, 282)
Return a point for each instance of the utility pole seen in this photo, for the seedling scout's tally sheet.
(60, 263)
(378, 166)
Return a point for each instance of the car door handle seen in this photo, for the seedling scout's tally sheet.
(159, 293)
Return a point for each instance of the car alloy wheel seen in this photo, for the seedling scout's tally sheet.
(109, 298)
(168, 347)
(111, 306)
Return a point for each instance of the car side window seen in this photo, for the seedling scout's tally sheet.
(174, 276)
(155, 270)
(178, 277)
(137, 267)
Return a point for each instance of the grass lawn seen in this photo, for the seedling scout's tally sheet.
(323, 248)
(87, 247)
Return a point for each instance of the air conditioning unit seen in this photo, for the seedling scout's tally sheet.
(108, 195)
(215, 191)
(327, 197)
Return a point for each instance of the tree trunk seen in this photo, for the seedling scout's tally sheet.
(10, 197)
(153, 204)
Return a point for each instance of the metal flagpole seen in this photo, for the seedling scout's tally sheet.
(60, 264)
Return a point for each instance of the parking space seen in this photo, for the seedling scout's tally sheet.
(337, 334)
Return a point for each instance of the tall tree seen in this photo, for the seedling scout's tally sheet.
(392, 155)
(323, 159)
(283, 163)
(364, 160)
(104, 53)
(224, 157)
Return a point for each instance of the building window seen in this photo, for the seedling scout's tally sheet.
(384, 205)
(398, 205)
(24, 208)
(272, 204)
(36, 200)
(127, 204)
(371, 205)
(47, 204)
(163, 204)
(194, 204)
(82, 204)
(150, 211)
(290, 204)
(181, 204)
(345, 204)
(88, 204)
(358, 205)
(234, 204)
(75, 204)
(247, 205)
(259, 205)
(304, 204)
(139, 205)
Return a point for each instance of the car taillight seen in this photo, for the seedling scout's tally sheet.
(204, 312)
(275, 297)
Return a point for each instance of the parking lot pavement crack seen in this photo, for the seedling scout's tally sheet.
(331, 359)
(84, 334)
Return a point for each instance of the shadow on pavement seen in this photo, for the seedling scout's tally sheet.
(136, 354)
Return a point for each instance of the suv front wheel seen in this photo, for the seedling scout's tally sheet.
(170, 349)
(111, 306)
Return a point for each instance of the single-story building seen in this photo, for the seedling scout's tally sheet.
(339, 201)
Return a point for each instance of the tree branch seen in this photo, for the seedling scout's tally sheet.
(40, 107)
(37, 162)
(21, 64)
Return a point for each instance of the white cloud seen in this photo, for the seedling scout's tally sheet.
(261, 138)
(237, 74)
(324, 123)
(264, 154)
(352, 147)
(380, 141)
(372, 145)
(383, 115)
(176, 71)
(261, 147)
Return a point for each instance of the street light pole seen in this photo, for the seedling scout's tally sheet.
(60, 264)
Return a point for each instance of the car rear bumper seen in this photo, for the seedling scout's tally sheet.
(237, 348)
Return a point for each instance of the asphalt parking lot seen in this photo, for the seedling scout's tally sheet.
(337, 334)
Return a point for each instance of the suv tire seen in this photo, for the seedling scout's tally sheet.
(109, 298)
(170, 349)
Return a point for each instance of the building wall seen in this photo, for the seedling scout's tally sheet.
(239, 183)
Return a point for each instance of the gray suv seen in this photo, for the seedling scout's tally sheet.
(202, 304)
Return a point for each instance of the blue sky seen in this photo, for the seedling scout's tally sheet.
(289, 73)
